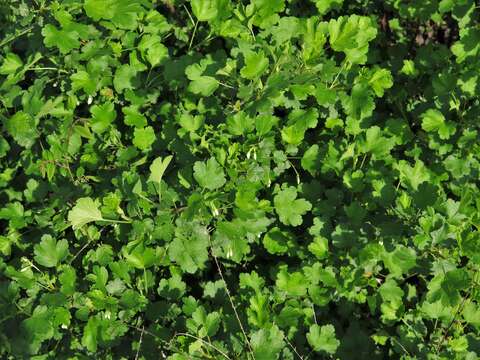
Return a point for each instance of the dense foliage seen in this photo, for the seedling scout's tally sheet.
(263, 179)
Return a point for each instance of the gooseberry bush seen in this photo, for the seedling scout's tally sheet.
(248, 180)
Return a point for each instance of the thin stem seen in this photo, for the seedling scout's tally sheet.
(232, 304)
(117, 221)
(152, 80)
(363, 161)
(140, 343)
(146, 281)
(314, 315)
(48, 68)
(226, 85)
(400, 344)
(193, 36)
(293, 348)
(189, 15)
(16, 36)
(337, 76)
(80, 251)
(252, 33)
(205, 343)
(148, 75)
(459, 310)
(296, 172)
(146, 199)
(22, 310)
(208, 38)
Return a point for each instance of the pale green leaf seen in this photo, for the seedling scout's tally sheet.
(85, 211)
(322, 338)
(49, 252)
(209, 174)
(290, 209)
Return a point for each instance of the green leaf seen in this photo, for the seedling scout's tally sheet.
(413, 176)
(376, 143)
(141, 257)
(208, 324)
(267, 343)
(49, 252)
(392, 296)
(380, 79)
(293, 284)
(124, 77)
(66, 41)
(256, 63)
(319, 247)
(277, 241)
(10, 64)
(200, 84)
(409, 68)
(37, 328)
(68, 279)
(434, 121)
(239, 124)
(153, 50)
(90, 334)
(4, 147)
(471, 314)
(98, 9)
(209, 174)
(265, 123)
(314, 39)
(14, 213)
(143, 138)
(205, 10)
(173, 288)
(22, 127)
(230, 240)
(82, 80)
(85, 211)
(299, 121)
(400, 261)
(469, 44)
(158, 167)
(133, 117)
(322, 338)
(311, 159)
(189, 249)
(324, 95)
(265, 13)
(351, 35)
(437, 310)
(102, 117)
(122, 13)
(325, 6)
(5, 246)
(290, 209)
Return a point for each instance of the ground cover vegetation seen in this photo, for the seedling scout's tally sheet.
(263, 179)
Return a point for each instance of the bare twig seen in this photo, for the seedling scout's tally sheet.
(293, 348)
(16, 36)
(232, 304)
(140, 343)
(400, 344)
(79, 251)
(205, 343)
(193, 36)
(314, 315)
